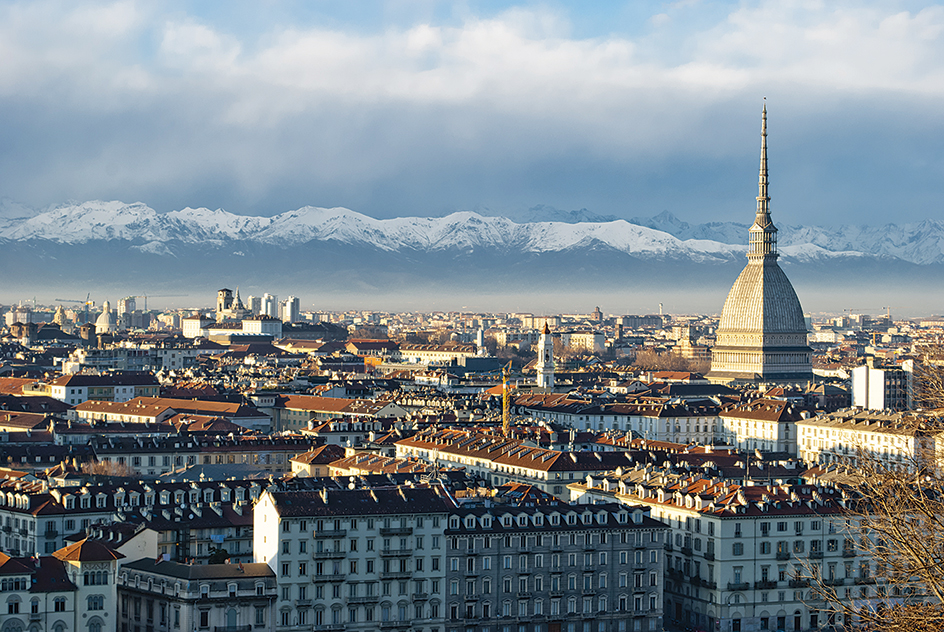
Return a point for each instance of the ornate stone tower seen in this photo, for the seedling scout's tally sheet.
(545, 364)
(762, 333)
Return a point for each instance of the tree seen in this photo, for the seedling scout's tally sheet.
(894, 519)
(106, 468)
(652, 360)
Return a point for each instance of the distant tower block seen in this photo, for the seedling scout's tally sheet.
(546, 359)
(480, 342)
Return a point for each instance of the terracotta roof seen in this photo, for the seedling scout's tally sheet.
(87, 551)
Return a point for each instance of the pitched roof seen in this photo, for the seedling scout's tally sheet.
(87, 551)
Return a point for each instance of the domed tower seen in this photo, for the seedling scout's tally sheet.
(762, 335)
(106, 323)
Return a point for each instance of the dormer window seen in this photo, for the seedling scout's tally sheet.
(571, 519)
(523, 520)
(506, 521)
(555, 519)
(470, 522)
(487, 522)
(454, 522)
(539, 519)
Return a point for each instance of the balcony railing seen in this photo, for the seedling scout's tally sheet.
(232, 628)
(328, 578)
(328, 555)
(364, 599)
(783, 555)
(848, 552)
(738, 585)
(396, 575)
(865, 580)
(50, 534)
(709, 555)
(816, 555)
(686, 550)
(335, 533)
(765, 584)
(396, 531)
(396, 552)
(799, 583)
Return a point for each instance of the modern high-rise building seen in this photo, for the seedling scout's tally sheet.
(270, 305)
(291, 308)
(762, 336)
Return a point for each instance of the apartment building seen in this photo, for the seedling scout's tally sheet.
(554, 568)
(358, 559)
(190, 518)
(768, 425)
(897, 439)
(656, 421)
(162, 596)
(72, 589)
(741, 557)
(880, 386)
(112, 387)
(499, 460)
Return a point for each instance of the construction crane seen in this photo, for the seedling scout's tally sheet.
(86, 302)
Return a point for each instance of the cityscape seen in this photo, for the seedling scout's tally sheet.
(466, 317)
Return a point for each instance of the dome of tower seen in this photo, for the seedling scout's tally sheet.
(762, 300)
(106, 323)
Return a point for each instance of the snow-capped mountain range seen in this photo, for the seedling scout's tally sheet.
(141, 228)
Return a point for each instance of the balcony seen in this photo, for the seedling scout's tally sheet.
(328, 555)
(35, 616)
(709, 555)
(848, 552)
(816, 555)
(864, 580)
(835, 581)
(333, 627)
(765, 585)
(396, 575)
(799, 583)
(396, 531)
(388, 625)
(396, 552)
(22, 531)
(302, 603)
(686, 550)
(738, 586)
(316, 579)
(783, 555)
(232, 628)
(364, 599)
(420, 596)
(49, 534)
(668, 546)
(338, 533)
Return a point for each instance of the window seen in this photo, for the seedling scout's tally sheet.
(96, 602)
(737, 548)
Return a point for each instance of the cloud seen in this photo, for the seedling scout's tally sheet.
(500, 110)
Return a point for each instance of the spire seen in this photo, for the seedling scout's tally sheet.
(763, 234)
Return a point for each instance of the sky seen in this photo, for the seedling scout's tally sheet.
(425, 107)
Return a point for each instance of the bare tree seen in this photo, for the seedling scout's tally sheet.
(894, 523)
(652, 360)
(106, 468)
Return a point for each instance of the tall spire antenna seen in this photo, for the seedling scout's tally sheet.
(763, 234)
(763, 197)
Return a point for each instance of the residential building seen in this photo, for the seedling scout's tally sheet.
(358, 559)
(554, 567)
(742, 557)
(883, 386)
(164, 596)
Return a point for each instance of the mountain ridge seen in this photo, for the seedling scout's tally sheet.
(663, 235)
